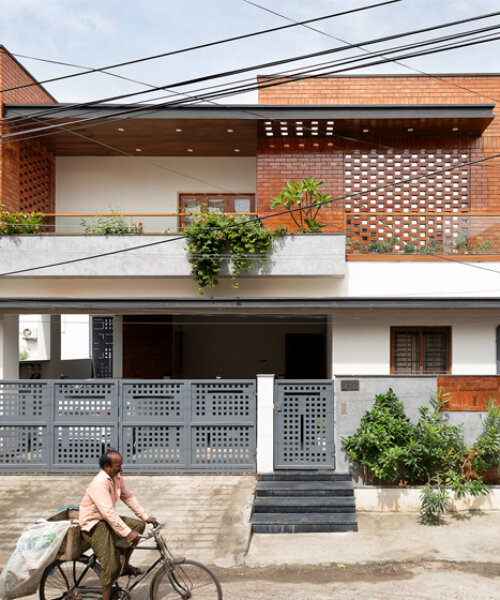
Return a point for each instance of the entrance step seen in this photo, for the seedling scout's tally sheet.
(304, 501)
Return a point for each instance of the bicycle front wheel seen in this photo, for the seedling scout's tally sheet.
(67, 580)
(189, 579)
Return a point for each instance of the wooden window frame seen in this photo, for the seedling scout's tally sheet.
(228, 202)
(420, 331)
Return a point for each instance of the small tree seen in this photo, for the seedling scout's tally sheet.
(304, 201)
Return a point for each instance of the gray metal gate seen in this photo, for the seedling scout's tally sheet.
(162, 426)
(188, 425)
(303, 425)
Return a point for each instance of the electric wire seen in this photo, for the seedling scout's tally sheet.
(305, 74)
(192, 48)
(274, 63)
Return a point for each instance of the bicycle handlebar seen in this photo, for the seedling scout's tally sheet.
(152, 532)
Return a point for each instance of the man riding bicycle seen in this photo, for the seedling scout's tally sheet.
(112, 537)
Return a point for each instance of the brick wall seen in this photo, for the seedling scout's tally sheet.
(469, 392)
(276, 165)
(26, 168)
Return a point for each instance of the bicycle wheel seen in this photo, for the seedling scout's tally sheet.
(190, 579)
(59, 580)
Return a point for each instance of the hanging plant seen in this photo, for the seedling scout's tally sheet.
(20, 223)
(214, 237)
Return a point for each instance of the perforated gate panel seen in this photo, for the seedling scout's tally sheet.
(188, 425)
(24, 425)
(223, 424)
(303, 425)
(85, 422)
(153, 425)
(159, 426)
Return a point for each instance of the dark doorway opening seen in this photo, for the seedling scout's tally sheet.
(305, 356)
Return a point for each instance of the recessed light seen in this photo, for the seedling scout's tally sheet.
(300, 133)
(366, 130)
(330, 144)
(410, 129)
(455, 129)
(286, 145)
(301, 145)
(315, 145)
(314, 122)
(330, 122)
(298, 122)
(236, 149)
(138, 149)
(271, 146)
(178, 130)
(190, 150)
(269, 133)
(230, 130)
(314, 133)
(121, 129)
(268, 122)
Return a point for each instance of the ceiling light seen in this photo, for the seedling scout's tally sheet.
(330, 144)
(314, 122)
(283, 122)
(190, 150)
(230, 130)
(366, 130)
(286, 145)
(271, 146)
(455, 129)
(179, 130)
(236, 149)
(269, 133)
(298, 122)
(330, 122)
(138, 149)
(410, 129)
(315, 145)
(300, 133)
(121, 129)
(301, 145)
(268, 122)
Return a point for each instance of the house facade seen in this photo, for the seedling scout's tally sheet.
(400, 290)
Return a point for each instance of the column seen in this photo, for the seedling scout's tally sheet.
(9, 346)
(54, 370)
(117, 347)
(265, 423)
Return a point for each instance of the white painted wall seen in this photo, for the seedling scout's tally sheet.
(361, 342)
(75, 337)
(91, 184)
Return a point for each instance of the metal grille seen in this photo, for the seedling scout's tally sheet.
(25, 427)
(159, 426)
(85, 422)
(102, 346)
(304, 424)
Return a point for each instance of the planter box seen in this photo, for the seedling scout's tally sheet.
(320, 255)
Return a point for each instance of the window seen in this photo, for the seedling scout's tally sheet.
(420, 349)
(221, 203)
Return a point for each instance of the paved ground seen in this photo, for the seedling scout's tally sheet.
(207, 517)
(391, 557)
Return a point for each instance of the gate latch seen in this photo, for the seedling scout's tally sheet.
(277, 407)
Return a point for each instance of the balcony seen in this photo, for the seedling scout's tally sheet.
(160, 255)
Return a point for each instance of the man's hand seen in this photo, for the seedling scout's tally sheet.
(133, 537)
(153, 521)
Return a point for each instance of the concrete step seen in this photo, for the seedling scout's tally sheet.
(308, 504)
(304, 488)
(304, 476)
(303, 523)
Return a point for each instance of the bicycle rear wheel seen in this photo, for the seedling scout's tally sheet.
(190, 579)
(65, 580)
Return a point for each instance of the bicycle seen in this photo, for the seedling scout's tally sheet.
(79, 579)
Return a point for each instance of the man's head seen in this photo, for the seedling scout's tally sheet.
(111, 462)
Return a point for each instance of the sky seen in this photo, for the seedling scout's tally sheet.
(96, 33)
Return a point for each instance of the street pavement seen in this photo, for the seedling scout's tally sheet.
(392, 556)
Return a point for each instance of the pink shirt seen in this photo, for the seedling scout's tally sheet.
(99, 501)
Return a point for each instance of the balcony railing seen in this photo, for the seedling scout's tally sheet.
(422, 233)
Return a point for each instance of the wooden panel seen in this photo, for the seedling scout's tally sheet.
(147, 346)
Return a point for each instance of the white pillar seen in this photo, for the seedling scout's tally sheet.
(9, 346)
(54, 368)
(117, 347)
(265, 423)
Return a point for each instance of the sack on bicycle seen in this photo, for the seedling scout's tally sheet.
(35, 549)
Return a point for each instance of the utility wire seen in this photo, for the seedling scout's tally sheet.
(361, 47)
(199, 46)
(307, 73)
(272, 63)
(266, 217)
